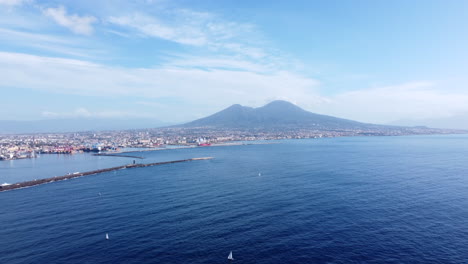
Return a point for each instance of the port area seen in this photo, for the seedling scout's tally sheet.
(25, 184)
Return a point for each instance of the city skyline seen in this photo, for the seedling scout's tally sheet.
(179, 61)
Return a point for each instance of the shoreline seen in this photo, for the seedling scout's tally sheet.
(32, 183)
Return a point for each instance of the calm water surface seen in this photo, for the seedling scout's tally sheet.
(341, 200)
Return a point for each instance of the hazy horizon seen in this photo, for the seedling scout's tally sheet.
(64, 124)
(90, 123)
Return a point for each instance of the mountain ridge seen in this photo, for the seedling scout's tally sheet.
(274, 115)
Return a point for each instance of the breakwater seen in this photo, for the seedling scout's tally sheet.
(81, 174)
(118, 155)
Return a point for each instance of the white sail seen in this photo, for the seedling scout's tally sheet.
(230, 256)
(107, 236)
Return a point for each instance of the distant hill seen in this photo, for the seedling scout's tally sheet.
(75, 125)
(454, 122)
(275, 115)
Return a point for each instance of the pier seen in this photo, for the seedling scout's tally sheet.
(81, 174)
(118, 155)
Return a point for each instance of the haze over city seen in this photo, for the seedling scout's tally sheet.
(398, 62)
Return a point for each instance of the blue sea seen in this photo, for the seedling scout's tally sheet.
(330, 200)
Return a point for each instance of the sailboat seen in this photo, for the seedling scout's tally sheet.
(107, 236)
(230, 256)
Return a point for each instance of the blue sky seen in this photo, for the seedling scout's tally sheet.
(372, 61)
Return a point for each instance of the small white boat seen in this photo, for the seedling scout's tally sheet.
(230, 256)
(107, 236)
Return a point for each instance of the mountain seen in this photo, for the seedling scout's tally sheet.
(275, 115)
(75, 125)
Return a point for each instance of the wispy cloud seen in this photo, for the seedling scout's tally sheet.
(44, 42)
(19, 36)
(220, 86)
(204, 32)
(220, 62)
(152, 27)
(12, 2)
(77, 24)
(198, 29)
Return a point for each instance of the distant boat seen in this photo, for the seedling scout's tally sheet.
(230, 256)
(107, 236)
(259, 174)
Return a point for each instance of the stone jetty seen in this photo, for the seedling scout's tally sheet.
(81, 174)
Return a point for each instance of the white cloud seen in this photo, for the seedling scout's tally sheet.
(11, 2)
(197, 29)
(220, 87)
(414, 100)
(155, 28)
(77, 24)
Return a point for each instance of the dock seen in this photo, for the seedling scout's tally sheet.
(81, 174)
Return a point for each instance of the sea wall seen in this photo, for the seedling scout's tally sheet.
(81, 174)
